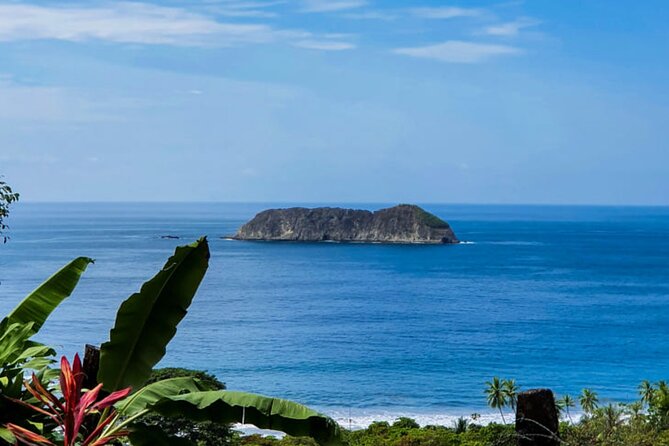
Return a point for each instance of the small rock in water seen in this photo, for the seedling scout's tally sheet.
(537, 418)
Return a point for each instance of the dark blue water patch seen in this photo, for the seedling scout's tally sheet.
(564, 297)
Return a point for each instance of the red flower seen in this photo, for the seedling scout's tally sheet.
(71, 412)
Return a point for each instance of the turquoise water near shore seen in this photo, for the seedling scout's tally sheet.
(553, 296)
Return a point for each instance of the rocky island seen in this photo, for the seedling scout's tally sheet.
(399, 224)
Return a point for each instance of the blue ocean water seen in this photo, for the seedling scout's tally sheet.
(559, 297)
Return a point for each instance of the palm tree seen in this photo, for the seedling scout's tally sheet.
(497, 397)
(589, 401)
(511, 390)
(461, 425)
(567, 402)
(612, 418)
(647, 391)
(559, 407)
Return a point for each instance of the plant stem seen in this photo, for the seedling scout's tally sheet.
(112, 429)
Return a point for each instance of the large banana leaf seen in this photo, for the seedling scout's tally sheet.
(224, 406)
(147, 321)
(152, 393)
(39, 304)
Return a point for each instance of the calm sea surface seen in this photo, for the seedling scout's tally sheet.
(562, 297)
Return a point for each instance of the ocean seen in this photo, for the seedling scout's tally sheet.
(564, 297)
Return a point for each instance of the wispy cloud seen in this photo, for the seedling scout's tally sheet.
(456, 51)
(143, 23)
(445, 12)
(331, 5)
(250, 9)
(510, 29)
(324, 45)
(125, 23)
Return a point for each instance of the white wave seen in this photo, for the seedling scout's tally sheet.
(516, 243)
(362, 419)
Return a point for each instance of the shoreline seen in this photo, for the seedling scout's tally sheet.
(362, 418)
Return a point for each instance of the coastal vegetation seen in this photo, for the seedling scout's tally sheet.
(7, 197)
(641, 423)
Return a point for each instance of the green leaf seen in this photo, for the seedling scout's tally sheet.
(143, 435)
(37, 364)
(39, 304)
(6, 435)
(147, 321)
(154, 392)
(35, 350)
(12, 340)
(223, 406)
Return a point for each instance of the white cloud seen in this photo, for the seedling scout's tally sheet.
(510, 29)
(244, 9)
(331, 5)
(445, 12)
(324, 45)
(127, 23)
(456, 51)
(144, 23)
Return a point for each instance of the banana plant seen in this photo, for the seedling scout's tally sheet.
(18, 354)
(145, 323)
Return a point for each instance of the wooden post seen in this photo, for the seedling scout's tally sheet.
(91, 366)
(537, 418)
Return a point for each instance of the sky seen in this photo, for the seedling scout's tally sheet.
(536, 101)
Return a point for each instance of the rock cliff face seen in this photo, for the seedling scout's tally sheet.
(400, 224)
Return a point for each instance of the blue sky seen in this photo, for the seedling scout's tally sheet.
(540, 101)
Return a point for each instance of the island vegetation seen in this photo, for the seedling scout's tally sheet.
(404, 223)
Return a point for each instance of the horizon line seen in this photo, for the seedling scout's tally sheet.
(325, 203)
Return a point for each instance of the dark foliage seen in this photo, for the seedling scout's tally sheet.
(203, 433)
